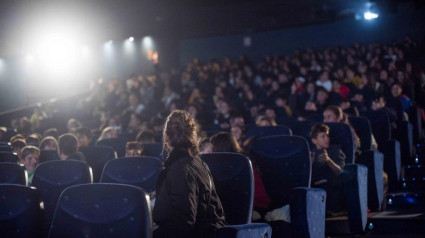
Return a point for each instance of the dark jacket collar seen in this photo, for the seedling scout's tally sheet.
(174, 155)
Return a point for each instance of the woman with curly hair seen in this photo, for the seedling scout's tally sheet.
(187, 204)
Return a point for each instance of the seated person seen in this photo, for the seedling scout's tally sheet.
(107, 133)
(49, 143)
(327, 165)
(133, 149)
(33, 139)
(205, 146)
(30, 159)
(84, 137)
(145, 137)
(68, 148)
(17, 142)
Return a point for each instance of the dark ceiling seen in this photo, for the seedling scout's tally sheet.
(177, 19)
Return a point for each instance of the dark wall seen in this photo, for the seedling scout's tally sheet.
(284, 42)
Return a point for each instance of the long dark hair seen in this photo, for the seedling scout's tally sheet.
(225, 142)
(181, 131)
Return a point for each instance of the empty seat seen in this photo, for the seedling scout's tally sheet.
(13, 173)
(138, 171)
(117, 143)
(20, 211)
(8, 157)
(97, 157)
(102, 210)
(253, 230)
(52, 177)
(234, 183)
(269, 131)
(48, 155)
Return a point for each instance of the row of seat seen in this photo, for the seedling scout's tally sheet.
(286, 157)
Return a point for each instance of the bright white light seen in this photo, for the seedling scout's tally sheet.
(131, 38)
(85, 51)
(58, 53)
(29, 57)
(147, 42)
(370, 15)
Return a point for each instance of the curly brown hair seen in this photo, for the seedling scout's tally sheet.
(181, 131)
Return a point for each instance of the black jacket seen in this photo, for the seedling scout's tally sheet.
(187, 204)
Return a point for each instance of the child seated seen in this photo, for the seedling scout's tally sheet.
(327, 164)
(30, 159)
(133, 149)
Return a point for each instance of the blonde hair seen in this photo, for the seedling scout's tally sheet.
(29, 149)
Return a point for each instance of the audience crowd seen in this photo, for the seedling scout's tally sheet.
(230, 96)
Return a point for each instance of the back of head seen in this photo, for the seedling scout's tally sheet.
(181, 131)
(68, 144)
(84, 131)
(225, 142)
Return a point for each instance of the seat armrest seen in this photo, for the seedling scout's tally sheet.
(308, 210)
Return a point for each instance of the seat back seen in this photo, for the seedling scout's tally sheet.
(340, 134)
(102, 210)
(8, 157)
(13, 173)
(52, 177)
(48, 155)
(301, 128)
(97, 157)
(269, 131)
(138, 171)
(381, 127)
(5, 147)
(234, 182)
(154, 150)
(21, 214)
(364, 130)
(117, 143)
(284, 162)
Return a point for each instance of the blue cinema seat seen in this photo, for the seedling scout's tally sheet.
(381, 129)
(285, 165)
(374, 161)
(268, 131)
(364, 131)
(48, 155)
(253, 230)
(21, 212)
(301, 128)
(8, 157)
(340, 134)
(137, 171)
(154, 150)
(52, 177)
(234, 182)
(13, 173)
(102, 210)
(97, 157)
(117, 143)
(5, 147)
